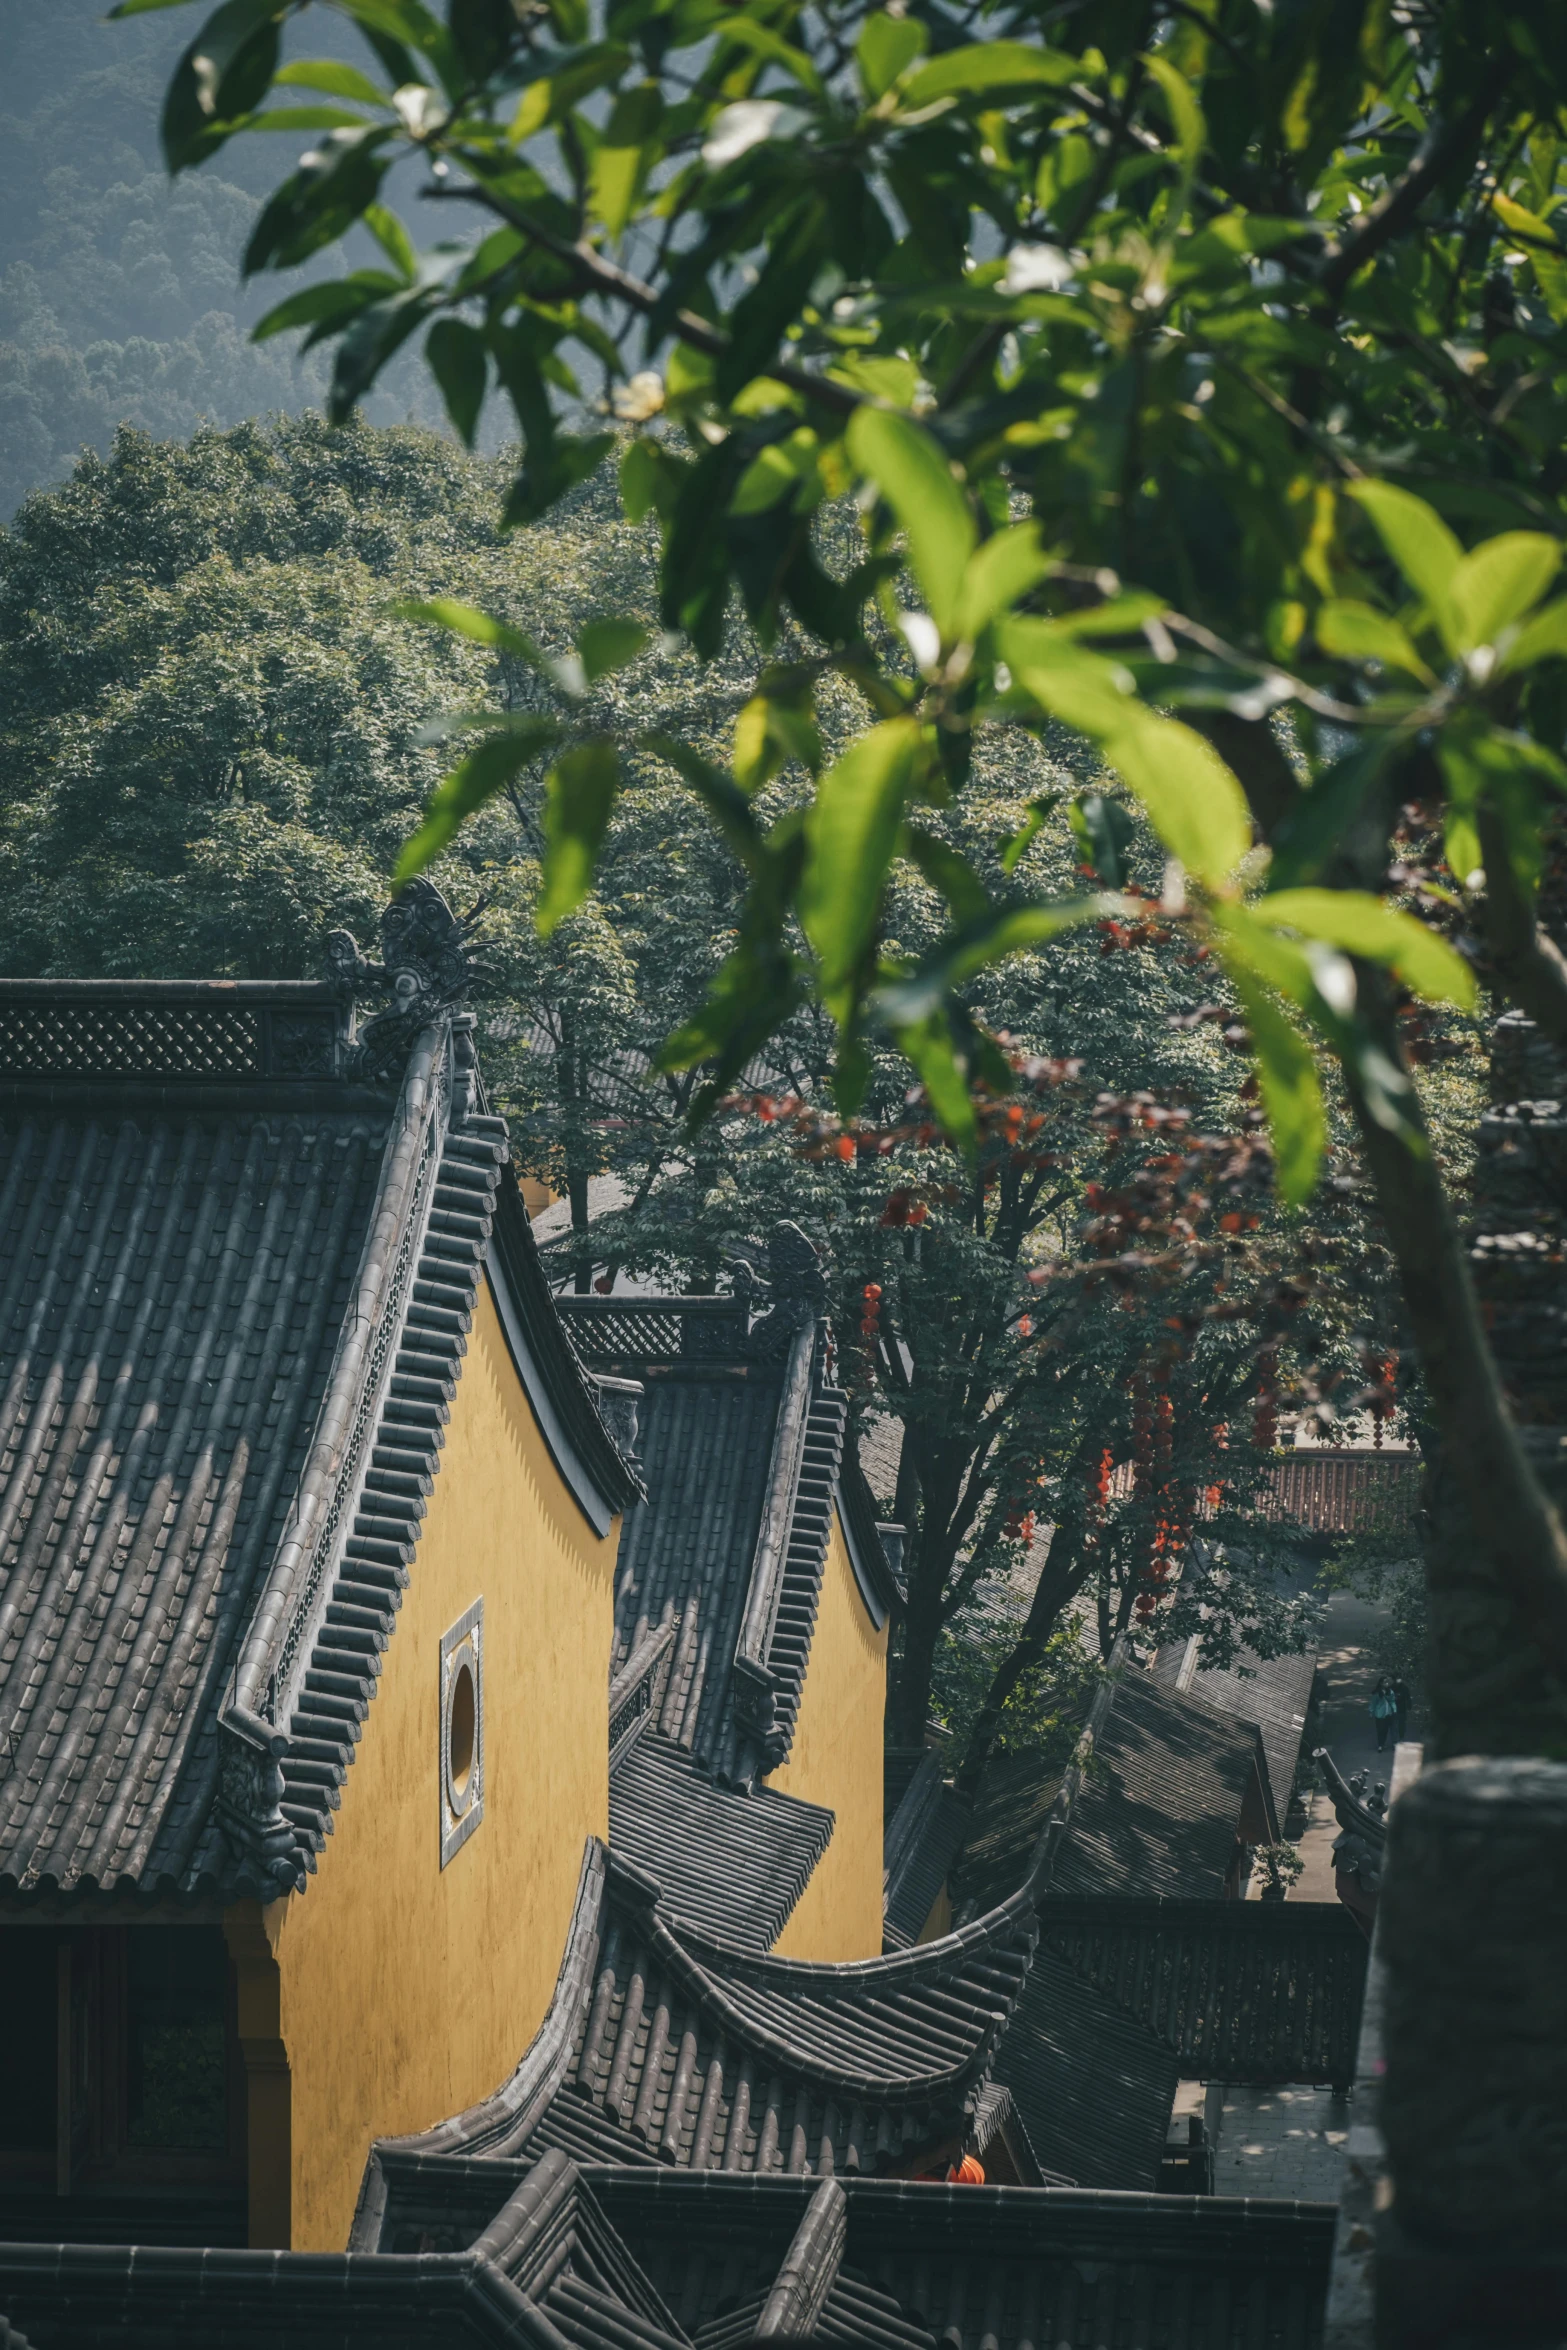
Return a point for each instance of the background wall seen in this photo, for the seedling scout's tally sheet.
(836, 1760)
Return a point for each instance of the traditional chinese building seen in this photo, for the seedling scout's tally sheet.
(308, 1536)
(444, 1829)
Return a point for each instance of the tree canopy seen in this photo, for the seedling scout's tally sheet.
(1201, 375)
(214, 748)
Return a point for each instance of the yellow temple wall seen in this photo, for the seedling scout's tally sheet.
(408, 1991)
(837, 1760)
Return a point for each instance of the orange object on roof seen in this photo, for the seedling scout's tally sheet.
(970, 2172)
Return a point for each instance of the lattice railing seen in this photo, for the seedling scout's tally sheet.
(626, 1333)
(141, 1038)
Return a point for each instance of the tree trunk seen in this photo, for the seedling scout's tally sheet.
(577, 1193)
(1498, 1601)
(1056, 1587)
(910, 1707)
(1498, 1604)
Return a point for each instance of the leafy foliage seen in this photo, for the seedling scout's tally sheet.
(1201, 378)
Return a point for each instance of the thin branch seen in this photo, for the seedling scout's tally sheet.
(1398, 203)
(618, 285)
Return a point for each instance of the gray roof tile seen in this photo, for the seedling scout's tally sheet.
(727, 1863)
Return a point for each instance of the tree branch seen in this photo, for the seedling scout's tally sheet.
(605, 278)
(1517, 1532)
(1397, 205)
(1527, 961)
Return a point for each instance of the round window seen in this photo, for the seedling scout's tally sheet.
(462, 1730)
(460, 1736)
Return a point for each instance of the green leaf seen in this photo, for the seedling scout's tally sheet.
(745, 32)
(1085, 690)
(579, 795)
(1358, 632)
(488, 769)
(369, 342)
(725, 802)
(1016, 849)
(459, 363)
(393, 26)
(983, 67)
(1546, 257)
(1118, 616)
(928, 1045)
(319, 202)
(338, 81)
(1019, 930)
(1103, 831)
(999, 572)
(853, 834)
(327, 305)
(887, 44)
(1197, 808)
(394, 241)
(915, 478)
(223, 75)
(1543, 637)
(949, 873)
(1499, 581)
(1291, 1093)
(1186, 116)
(1359, 924)
(480, 628)
(606, 645)
(1422, 546)
(620, 160)
(1325, 815)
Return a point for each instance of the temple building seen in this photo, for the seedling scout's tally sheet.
(309, 1527)
(452, 1886)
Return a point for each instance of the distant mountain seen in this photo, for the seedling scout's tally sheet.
(120, 298)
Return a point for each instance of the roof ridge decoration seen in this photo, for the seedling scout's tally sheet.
(278, 1648)
(425, 969)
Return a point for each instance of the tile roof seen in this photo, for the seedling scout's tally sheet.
(612, 2258)
(1343, 1490)
(1161, 1801)
(1274, 1692)
(665, 2045)
(741, 1438)
(245, 1250)
(1261, 1991)
(1092, 2086)
(728, 1863)
(1151, 1804)
(716, 2260)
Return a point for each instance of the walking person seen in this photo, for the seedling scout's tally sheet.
(1401, 1717)
(1384, 1709)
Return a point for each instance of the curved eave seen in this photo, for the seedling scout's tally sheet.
(878, 1586)
(590, 1463)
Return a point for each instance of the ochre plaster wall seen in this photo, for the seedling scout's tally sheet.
(408, 1991)
(836, 1760)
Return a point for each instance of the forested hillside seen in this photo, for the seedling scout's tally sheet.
(119, 292)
